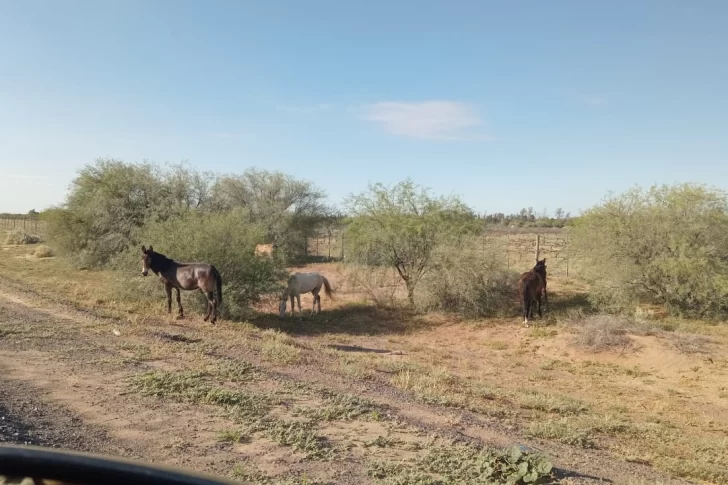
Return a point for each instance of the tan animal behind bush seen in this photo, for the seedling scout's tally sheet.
(264, 249)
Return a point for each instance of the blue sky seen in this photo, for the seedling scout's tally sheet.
(507, 104)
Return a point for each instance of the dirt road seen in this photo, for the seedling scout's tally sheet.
(162, 390)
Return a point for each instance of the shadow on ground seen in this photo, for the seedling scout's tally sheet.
(352, 319)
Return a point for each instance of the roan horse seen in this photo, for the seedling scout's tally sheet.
(186, 276)
(304, 283)
(530, 286)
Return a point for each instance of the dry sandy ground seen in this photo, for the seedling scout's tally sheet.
(68, 380)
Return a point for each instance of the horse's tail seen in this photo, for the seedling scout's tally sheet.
(218, 282)
(327, 287)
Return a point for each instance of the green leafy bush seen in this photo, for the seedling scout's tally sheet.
(222, 240)
(402, 227)
(666, 245)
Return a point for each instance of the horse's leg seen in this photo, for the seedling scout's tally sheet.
(168, 290)
(538, 300)
(298, 299)
(316, 298)
(179, 304)
(293, 305)
(213, 307)
(546, 297)
(208, 308)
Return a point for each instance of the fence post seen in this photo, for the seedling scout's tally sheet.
(538, 245)
(568, 253)
(329, 245)
(508, 255)
(342, 245)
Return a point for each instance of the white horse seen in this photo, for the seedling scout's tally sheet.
(304, 283)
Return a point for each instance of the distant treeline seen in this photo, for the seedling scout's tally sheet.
(31, 214)
(526, 217)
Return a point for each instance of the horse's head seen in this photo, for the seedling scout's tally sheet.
(147, 255)
(540, 267)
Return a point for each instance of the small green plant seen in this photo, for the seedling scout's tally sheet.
(279, 347)
(551, 403)
(465, 464)
(298, 435)
(232, 436)
(562, 431)
(343, 407)
(236, 370)
(192, 387)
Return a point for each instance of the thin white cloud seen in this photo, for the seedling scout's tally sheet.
(428, 120)
(595, 100)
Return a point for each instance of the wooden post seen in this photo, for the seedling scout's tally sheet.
(508, 255)
(538, 245)
(329, 245)
(342, 245)
(568, 253)
(567, 266)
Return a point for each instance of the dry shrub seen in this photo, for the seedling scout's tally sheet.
(690, 343)
(43, 251)
(18, 236)
(380, 284)
(471, 283)
(598, 333)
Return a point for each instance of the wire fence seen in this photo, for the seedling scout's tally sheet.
(518, 250)
(28, 224)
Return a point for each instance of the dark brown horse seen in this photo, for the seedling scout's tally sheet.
(531, 285)
(186, 276)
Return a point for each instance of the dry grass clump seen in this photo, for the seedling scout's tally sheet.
(691, 343)
(18, 236)
(43, 251)
(598, 333)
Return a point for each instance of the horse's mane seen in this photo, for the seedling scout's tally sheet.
(159, 262)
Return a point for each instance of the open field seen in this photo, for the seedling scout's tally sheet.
(358, 394)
